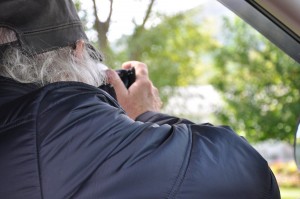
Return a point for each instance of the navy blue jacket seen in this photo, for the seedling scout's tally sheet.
(71, 140)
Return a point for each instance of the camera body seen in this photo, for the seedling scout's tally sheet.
(127, 77)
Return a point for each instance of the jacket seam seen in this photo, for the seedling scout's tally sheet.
(51, 28)
(179, 180)
(37, 147)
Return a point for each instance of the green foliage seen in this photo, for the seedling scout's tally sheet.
(259, 82)
(173, 49)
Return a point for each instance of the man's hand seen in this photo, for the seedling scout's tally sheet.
(141, 96)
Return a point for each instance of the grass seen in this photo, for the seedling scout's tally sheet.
(290, 193)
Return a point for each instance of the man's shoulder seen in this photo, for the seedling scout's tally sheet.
(67, 87)
(72, 92)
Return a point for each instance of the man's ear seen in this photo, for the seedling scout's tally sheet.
(79, 48)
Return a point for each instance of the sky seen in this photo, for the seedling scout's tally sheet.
(125, 11)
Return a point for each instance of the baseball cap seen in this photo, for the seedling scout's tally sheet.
(42, 25)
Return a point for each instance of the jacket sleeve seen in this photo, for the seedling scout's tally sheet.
(219, 147)
(161, 118)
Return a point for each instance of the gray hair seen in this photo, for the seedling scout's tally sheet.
(49, 67)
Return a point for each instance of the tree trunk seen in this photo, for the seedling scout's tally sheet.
(136, 53)
(102, 28)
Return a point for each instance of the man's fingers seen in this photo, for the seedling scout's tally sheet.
(141, 69)
(117, 83)
(128, 65)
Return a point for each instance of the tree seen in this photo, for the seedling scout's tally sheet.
(134, 53)
(102, 27)
(174, 49)
(260, 84)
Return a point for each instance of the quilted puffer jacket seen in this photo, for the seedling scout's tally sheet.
(71, 140)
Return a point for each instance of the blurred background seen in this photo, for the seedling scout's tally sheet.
(209, 66)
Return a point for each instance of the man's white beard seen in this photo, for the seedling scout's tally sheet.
(53, 66)
(102, 68)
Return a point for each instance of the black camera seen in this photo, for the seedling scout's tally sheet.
(128, 78)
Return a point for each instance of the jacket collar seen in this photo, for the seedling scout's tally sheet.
(11, 89)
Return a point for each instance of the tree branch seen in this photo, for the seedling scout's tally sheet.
(102, 27)
(149, 10)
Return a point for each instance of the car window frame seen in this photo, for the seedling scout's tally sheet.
(268, 25)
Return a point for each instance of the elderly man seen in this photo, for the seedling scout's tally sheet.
(63, 137)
